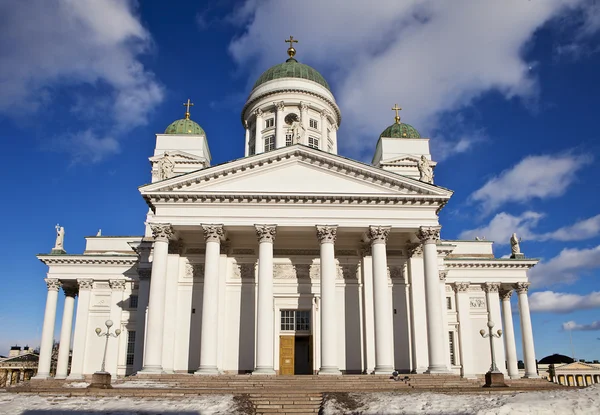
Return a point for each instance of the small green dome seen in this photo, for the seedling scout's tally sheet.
(185, 126)
(400, 130)
(291, 68)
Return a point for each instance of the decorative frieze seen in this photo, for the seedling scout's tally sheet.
(284, 271)
(379, 234)
(477, 302)
(85, 284)
(161, 231)
(53, 284)
(243, 251)
(89, 260)
(326, 233)
(429, 234)
(522, 287)
(491, 287)
(266, 233)
(461, 287)
(117, 284)
(296, 252)
(213, 233)
(490, 264)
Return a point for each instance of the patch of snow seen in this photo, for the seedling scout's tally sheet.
(76, 385)
(141, 384)
(564, 401)
(18, 404)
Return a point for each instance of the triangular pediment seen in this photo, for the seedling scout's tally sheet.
(177, 155)
(296, 170)
(577, 366)
(404, 160)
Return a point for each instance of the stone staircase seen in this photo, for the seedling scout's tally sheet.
(286, 402)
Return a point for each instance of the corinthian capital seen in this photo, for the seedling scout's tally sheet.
(85, 284)
(505, 294)
(429, 234)
(461, 287)
(213, 233)
(53, 284)
(414, 250)
(280, 105)
(258, 112)
(379, 234)
(161, 231)
(491, 287)
(326, 233)
(303, 106)
(266, 233)
(522, 287)
(116, 284)
(443, 275)
(70, 291)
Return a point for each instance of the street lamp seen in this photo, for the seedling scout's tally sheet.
(494, 377)
(102, 379)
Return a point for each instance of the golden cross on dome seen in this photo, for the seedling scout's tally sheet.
(187, 104)
(397, 117)
(291, 51)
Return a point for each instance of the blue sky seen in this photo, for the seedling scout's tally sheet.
(507, 92)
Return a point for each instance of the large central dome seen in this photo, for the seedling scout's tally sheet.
(291, 68)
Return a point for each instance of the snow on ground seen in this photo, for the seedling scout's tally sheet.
(563, 402)
(24, 404)
(141, 384)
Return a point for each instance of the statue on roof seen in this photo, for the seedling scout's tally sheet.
(514, 245)
(425, 170)
(59, 245)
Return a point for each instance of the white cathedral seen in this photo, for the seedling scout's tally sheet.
(291, 260)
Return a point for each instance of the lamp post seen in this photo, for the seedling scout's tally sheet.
(494, 377)
(102, 379)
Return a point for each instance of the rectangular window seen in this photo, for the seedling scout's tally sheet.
(269, 122)
(133, 301)
(295, 320)
(314, 124)
(451, 344)
(270, 143)
(313, 142)
(130, 347)
(449, 303)
(288, 139)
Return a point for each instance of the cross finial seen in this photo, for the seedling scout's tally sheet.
(397, 117)
(291, 51)
(187, 104)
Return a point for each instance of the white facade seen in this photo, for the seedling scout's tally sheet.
(289, 260)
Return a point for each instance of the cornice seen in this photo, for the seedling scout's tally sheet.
(128, 260)
(294, 91)
(489, 263)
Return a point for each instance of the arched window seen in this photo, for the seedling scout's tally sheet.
(313, 142)
(270, 143)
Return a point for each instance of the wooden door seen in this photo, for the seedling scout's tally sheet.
(286, 355)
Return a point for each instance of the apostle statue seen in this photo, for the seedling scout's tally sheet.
(514, 245)
(297, 130)
(166, 166)
(60, 238)
(425, 170)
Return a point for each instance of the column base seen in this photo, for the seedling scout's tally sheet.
(207, 371)
(75, 377)
(468, 376)
(330, 371)
(42, 376)
(515, 377)
(152, 370)
(531, 376)
(437, 370)
(383, 370)
(60, 377)
(268, 371)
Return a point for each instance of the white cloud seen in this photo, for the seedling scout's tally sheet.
(429, 56)
(571, 325)
(534, 177)
(503, 225)
(584, 229)
(556, 302)
(566, 267)
(86, 146)
(47, 47)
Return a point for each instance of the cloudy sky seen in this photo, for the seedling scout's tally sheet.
(507, 92)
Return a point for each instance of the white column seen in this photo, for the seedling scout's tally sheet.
(264, 309)
(334, 128)
(259, 142)
(325, 142)
(436, 336)
(329, 361)
(66, 328)
(247, 139)
(526, 331)
(368, 310)
(509, 335)
(162, 232)
(442, 275)
(210, 300)
(140, 318)
(418, 316)
(117, 288)
(48, 329)
(279, 133)
(465, 333)
(81, 325)
(304, 121)
(493, 307)
(384, 340)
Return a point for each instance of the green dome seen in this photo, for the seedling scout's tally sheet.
(291, 69)
(400, 130)
(185, 126)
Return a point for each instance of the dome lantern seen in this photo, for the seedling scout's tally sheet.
(400, 129)
(185, 126)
